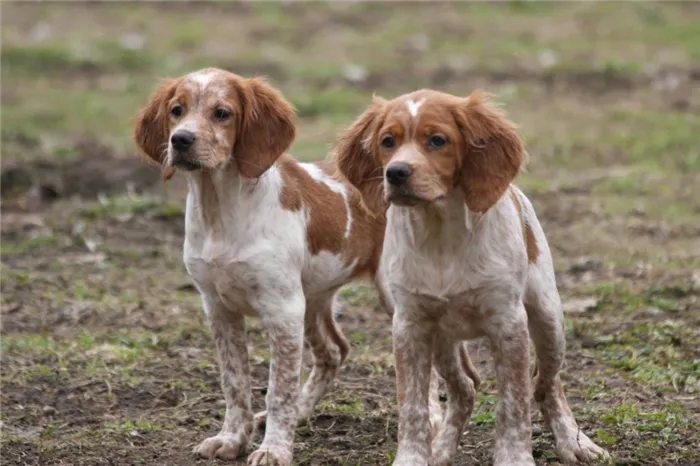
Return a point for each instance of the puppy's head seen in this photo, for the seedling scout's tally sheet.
(426, 144)
(207, 118)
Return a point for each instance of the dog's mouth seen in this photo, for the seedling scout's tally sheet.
(187, 165)
(403, 199)
(185, 161)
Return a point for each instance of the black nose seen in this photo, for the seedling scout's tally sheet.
(182, 140)
(398, 173)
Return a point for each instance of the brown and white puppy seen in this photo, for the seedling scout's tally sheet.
(265, 236)
(465, 257)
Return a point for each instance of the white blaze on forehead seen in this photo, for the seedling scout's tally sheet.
(202, 78)
(413, 106)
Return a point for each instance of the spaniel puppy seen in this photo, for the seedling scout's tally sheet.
(465, 257)
(265, 236)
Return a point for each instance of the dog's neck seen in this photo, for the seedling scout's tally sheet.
(435, 223)
(217, 194)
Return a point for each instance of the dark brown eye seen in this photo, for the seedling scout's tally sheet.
(221, 114)
(176, 111)
(388, 141)
(437, 142)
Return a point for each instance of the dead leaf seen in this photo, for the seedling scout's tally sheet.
(580, 305)
(9, 308)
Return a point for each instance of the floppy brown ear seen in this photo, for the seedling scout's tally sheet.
(151, 131)
(355, 158)
(266, 127)
(493, 155)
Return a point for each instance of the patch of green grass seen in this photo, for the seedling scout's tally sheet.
(343, 403)
(307, 149)
(663, 138)
(534, 185)
(485, 410)
(652, 354)
(40, 371)
(329, 103)
(38, 58)
(28, 245)
(99, 55)
(131, 427)
(189, 34)
(359, 295)
(29, 345)
(117, 205)
(357, 337)
(649, 431)
(604, 438)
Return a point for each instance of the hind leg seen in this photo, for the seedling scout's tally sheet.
(546, 324)
(329, 349)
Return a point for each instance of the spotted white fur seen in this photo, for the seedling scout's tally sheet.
(249, 255)
(463, 277)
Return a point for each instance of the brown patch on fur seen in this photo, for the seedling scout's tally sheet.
(327, 217)
(356, 161)
(494, 152)
(152, 130)
(516, 201)
(267, 127)
(533, 251)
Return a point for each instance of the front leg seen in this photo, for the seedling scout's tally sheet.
(449, 359)
(508, 335)
(284, 322)
(228, 331)
(413, 342)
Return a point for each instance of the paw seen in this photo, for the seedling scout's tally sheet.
(224, 446)
(578, 448)
(520, 462)
(409, 460)
(260, 419)
(441, 459)
(509, 457)
(444, 446)
(270, 455)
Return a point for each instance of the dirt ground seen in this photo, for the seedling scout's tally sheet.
(106, 358)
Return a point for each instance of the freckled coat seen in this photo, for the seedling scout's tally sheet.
(265, 236)
(465, 257)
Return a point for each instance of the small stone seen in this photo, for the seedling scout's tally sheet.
(583, 264)
(355, 73)
(536, 431)
(48, 410)
(547, 58)
(133, 41)
(420, 42)
(41, 32)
